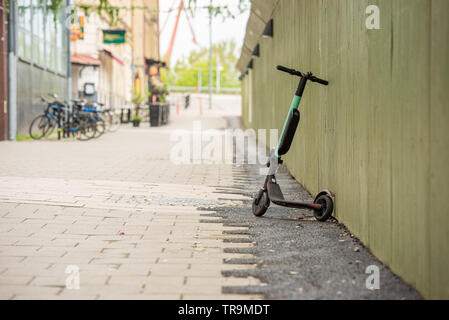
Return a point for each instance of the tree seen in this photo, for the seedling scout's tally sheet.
(186, 71)
(222, 10)
(113, 11)
(217, 9)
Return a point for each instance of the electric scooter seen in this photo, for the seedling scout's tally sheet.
(323, 204)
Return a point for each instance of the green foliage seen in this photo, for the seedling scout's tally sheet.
(186, 71)
(55, 5)
(52, 5)
(163, 98)
(224, 11)
(140, 98)
(23, 138)
(113, 11)
(136, 119)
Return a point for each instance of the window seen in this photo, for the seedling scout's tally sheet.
(42, 36)
(61, 43)
(50, 40)
(24, 29)
(38, 33)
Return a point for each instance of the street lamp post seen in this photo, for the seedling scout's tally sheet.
(68, 61)
(210, 55)
(200, 81)
(218, 69)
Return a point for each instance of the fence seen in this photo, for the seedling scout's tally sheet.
(378, 134)
(223, 90)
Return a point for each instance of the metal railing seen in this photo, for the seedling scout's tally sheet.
(204, 90)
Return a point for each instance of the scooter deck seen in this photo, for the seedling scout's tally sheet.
(276, 196)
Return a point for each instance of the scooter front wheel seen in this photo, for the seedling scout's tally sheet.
(260, 203)
(327, 205)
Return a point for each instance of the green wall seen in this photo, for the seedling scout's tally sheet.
(378, 134)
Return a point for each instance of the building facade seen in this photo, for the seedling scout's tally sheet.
(38, 60)
(117, 70)
(378, 134)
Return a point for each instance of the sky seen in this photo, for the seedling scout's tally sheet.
(221, 30)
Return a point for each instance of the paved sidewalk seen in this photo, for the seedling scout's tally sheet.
(139, 227)
(123, 214)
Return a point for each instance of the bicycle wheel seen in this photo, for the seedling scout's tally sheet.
(40, 127)
(115, 122)
(107, 120)
(52, 128)
(100, 127)
(88, 130)
(83, 129)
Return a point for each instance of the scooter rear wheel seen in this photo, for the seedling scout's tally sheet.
(327, 207)
(260, 203)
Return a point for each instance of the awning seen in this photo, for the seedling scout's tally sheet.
(261, 12)
(109, 53)
(150, 62)
(85, 60)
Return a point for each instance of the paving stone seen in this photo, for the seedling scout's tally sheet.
(131, 225)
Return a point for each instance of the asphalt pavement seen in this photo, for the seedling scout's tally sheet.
(297, 257)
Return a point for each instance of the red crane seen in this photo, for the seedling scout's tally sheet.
(175, 30)
(191, 30)
(173, 36)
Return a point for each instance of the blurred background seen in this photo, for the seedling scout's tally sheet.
(123, 54)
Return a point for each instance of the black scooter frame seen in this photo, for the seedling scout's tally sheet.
(323, 203)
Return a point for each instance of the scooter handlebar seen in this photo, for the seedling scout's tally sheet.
(320, 81)
(294, 72)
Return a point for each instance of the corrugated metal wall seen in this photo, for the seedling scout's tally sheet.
(378, 134)
(32, 83)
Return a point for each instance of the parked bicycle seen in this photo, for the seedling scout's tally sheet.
(57, 118)
(95, 116)
(111, 118)
(108, 117)
(83, 121)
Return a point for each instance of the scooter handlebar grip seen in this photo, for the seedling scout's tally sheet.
(321, 81)
(285, 69)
